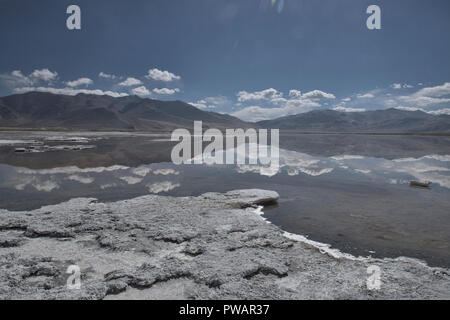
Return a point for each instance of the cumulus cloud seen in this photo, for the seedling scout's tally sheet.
(440, 112)
(16, 78)
(43, 74)
(160, 75)
(107, 76)
(318, 94)
(297, 102)
(295, 94)
(166, 172)
(268, 94)
(212, 102)
(70, 91)
(131, 179)
(400, 86)
(80, 82)
(46, 186)
(365, 96)
(445, 111)
(164, 186)
(420, 101)
(141, 91)
(430, 98)
(166, 91)
(409, 108)
(426, 97)
(257, 113)
(80, 179)
(130, 82)
(345, 109)
(202, 105)
(437, 91)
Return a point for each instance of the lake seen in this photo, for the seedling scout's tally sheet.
(350, 191)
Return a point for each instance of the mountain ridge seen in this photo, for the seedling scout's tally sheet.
(96, 112)
(376, 121)
(41, 110)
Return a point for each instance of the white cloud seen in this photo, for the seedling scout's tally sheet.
(426, 97)
(18, 74)
(43, 74)
(70, 91)
(295, 104)
(433, 112)
(345, 109)
(212, 103)
(421, 101)
(440, 112)
(80, 179)
(295, 94)
(141, 91)
(142, 171)
(15, 78)
(166, 172)
(160, 75)
(347, 99)
(200, 105)
(257, 113)
(166, 91)
(399, 86)
(106, 76)
(365, 96)
(164, 186)
(437, 91)
(131, 179)
(46, 186)
(409, 108)
(268, 94)
(130, 82)
(80, 82)
(318, 94)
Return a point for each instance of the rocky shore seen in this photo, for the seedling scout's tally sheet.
(214, 246)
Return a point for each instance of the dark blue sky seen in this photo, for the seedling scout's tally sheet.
(219, 48)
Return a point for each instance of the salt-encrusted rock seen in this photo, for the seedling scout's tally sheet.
(214, 246)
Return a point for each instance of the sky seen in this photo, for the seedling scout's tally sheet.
(254, 59)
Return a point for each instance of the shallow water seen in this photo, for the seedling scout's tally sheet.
(359, 204)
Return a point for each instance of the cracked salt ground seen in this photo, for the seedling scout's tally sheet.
(210, 246)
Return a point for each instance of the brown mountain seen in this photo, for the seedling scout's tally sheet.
(378, 121)
(94, 112)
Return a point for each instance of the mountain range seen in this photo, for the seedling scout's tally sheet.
(39, 110)
(95, 112)
(378, 121)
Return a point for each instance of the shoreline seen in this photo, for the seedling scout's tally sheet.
(214, 246)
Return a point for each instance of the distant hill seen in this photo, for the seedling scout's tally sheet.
(95, 112)
(379, 121)
(40, 110)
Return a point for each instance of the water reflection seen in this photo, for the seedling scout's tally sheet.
(361, 205)
(166, 177)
